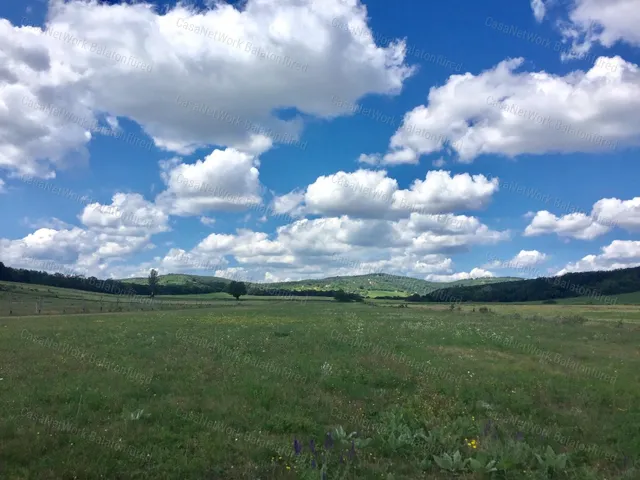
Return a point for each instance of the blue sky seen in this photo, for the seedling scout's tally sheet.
(288, 139)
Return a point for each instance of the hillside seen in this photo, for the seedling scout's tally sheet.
(592, 286)
(381, 282)
(374, 285)
(179, 279)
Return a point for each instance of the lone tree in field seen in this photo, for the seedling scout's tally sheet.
(153, 281)
(236, 289)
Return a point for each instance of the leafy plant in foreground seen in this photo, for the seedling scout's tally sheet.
(451, 463)
(551, 460)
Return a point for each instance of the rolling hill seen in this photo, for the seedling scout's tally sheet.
(179, 279)
(611, 286)
(376, 284)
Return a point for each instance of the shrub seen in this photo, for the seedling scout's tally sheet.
(572, 320)
(342, 296)
(484, 310)
(549, 302)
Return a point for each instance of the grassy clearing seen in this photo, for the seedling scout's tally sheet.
(223, 393)
(384, 293)
(608, 313)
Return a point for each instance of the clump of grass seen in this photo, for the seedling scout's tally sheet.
(571, 320)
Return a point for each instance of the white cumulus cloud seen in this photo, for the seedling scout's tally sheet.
(91, 63)
(509, 112)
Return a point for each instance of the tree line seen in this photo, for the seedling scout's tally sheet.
(595, 285)
(152, 287)
(598, 286)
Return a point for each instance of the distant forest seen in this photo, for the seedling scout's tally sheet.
(590, 284)
(116, 287)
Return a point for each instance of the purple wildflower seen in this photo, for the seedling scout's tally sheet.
(313, 463)
(297, 446)
(312, 446)
(487, 429)
(352, 451)
(519, 436)
(328, 442)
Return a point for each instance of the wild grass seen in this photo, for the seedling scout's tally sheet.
(251, 390)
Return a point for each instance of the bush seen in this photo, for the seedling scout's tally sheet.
(549, 302)
(342, 296)
(484, 310)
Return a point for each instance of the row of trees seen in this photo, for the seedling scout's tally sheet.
(590, 284)
(233, 288)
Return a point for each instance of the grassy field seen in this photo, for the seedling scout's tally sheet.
(224, 392)
(609, 313)
(19, 299)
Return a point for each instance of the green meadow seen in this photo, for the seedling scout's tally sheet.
(238, 390)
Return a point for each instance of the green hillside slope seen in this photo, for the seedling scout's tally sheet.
(179, 279)
(375, 285)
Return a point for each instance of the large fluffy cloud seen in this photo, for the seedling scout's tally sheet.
(603, 22)
(504, 111)
(605, 215)
(574, 225)
(618, 254)
(622, 213)
(344, 245)
(475, 273)
(372, 194)
(88, 252)
(128, 214)
(72, 80)
(111, 234)
(224, 180)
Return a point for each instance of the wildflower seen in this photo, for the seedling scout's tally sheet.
(313, 463)
(297, 447)
(519, 436)
(312, 445)
(487, 428)
(328, 442)
(352, 451)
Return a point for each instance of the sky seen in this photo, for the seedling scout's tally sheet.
(273, 140)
